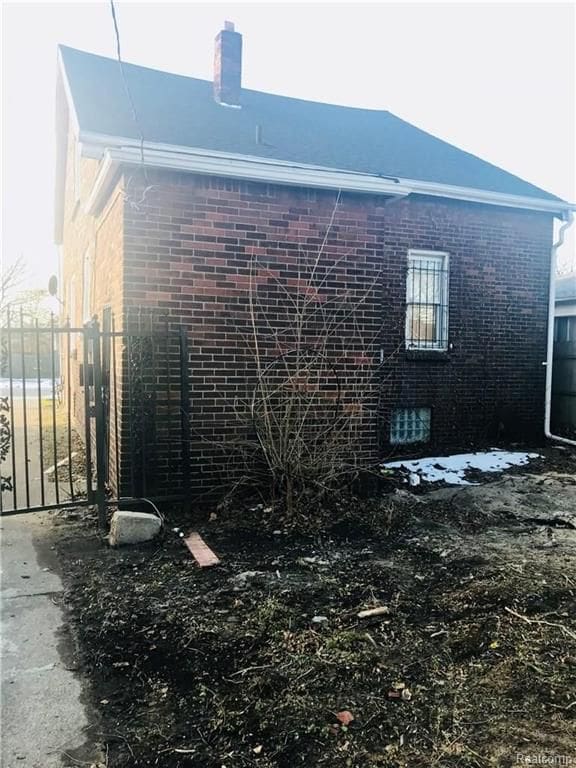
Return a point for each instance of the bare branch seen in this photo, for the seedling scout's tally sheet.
(11, 278)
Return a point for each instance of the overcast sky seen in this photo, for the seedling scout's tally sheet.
(498, 80)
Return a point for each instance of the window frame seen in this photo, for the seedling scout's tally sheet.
(440, 342)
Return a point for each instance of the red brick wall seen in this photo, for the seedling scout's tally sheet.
(491, 384)
(187, 253)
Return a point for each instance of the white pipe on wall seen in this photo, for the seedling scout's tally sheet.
(550, 344)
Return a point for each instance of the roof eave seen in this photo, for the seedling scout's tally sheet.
(63, 85)
(249, 169)
(122, 151)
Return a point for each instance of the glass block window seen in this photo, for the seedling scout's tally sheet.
(410, 425)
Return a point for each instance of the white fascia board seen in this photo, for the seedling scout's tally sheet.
(233, 167)
(95, 145)
(126, 151)
(69, 99)
(102, 185)
(489, 198)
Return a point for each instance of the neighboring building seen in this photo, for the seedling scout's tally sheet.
(168, 187)
(564, 368)
(565, 309)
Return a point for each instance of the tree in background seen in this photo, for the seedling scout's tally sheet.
(11, 277)
(30, 305)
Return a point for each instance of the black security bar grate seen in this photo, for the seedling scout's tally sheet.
(427, 303)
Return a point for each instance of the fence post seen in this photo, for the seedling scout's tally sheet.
(100, 425)
(185, 417)
(86, 379)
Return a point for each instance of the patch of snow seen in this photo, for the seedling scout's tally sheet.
(452, 469)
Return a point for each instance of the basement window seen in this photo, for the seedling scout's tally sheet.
(410, 425)
(427, 300)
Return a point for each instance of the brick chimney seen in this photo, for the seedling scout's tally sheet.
(228, 66)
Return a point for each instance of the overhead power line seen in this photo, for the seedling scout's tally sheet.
(130, 100)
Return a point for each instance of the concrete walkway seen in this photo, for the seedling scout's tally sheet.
(42, 713)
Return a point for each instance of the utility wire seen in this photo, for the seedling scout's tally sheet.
(130, 100)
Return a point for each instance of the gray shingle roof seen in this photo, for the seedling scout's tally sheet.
(173, 109)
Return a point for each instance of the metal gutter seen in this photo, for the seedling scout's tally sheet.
(550, 341)
(252, 169)
(117, 151)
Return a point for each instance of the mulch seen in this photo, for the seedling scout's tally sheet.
(262, 660)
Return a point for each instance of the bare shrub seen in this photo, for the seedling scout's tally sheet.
(314, 344)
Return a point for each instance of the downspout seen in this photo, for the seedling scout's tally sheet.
(568, 217)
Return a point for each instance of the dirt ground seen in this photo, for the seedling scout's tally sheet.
(263, 660)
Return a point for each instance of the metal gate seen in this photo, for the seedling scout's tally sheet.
(93, 415)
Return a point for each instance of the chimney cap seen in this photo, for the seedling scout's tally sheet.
(229, 26)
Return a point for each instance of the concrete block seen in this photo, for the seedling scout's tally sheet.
(133, 527)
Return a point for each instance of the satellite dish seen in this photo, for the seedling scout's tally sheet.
(53, 285)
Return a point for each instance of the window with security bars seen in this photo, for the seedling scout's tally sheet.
(427, 300)
(410, 425)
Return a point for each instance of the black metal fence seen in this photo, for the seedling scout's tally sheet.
(109, 423)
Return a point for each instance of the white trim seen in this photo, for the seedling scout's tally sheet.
(95, 144)
(123, 150)
(192, 160)
(102, 184)
(68, 92)
(471, 195)
(236, 168)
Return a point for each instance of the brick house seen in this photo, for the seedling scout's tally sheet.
(170, 189)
